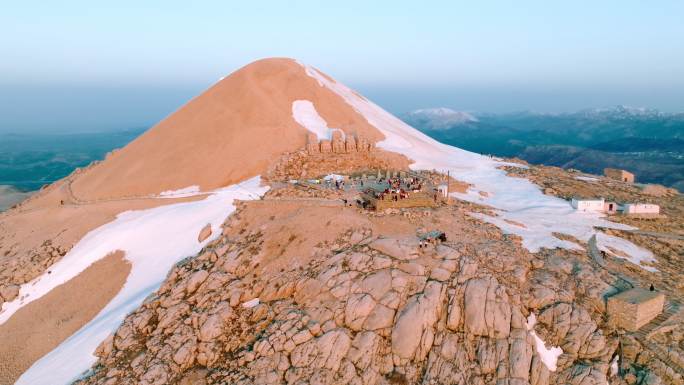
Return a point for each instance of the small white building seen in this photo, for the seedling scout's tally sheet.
(640, 208)
(443, 190)
(588, 205)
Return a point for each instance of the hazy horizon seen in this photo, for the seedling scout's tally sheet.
(77, 109)
(79, 65)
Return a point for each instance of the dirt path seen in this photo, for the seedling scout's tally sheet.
(657, 234)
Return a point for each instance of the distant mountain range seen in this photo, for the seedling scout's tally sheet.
(648, 142)
(440, 118)
(151, 267)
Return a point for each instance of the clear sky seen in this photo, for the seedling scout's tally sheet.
(86, 65)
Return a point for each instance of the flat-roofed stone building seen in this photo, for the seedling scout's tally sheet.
(621, 175)
(641, 208)
(596, 205)
(634, 308)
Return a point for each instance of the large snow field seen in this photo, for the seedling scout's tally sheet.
(517, 200)
(153, 240)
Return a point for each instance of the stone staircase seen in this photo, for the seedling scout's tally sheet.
(643, 336)
(670, 308)
(595, 253)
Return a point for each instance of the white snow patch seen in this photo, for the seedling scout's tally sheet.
(614, 366)
(153, 240)
(515, 199)
(629, 251)
(180, 193)
(549, 357)
(586, 178)
(304, 113)
(251, 303)
(312, 72)
(441, 117)
(333, 177)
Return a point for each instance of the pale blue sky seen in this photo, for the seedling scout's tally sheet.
(71, 57)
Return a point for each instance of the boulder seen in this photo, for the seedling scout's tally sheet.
(520, 358)
(447, 252)
(486, 355)
(379, 318)
(302, 336)
(196, 279)
(468, 268)
(439, 274)
(171, 316)
(582, 374)
(324, 352)
(204, 233)
(363, 348)
(403, 249)
(185, 355)
(413, 333)
(156, 375)
(487, 311)
(211, 328)
(572, 328)
(357, 309)
(105, 347)
(454, 313)
(377, 284)
(541, 297)
(9, 292)
(539, 373)
(207, 353)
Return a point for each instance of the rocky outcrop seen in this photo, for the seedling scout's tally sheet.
(18, 268)
(204, 233)
(376, 310)
(414, 331)
(9, 292)
(486, 309)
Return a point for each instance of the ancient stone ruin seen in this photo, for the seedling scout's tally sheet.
(338, 145)
(621, 175)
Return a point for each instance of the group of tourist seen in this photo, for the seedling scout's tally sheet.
(394, 194)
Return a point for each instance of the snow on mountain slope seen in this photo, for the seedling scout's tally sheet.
(153, 240)
(304, 113)
(517, 200)
(248, 110)
(183, 192)
(231, 132)
(440, 118)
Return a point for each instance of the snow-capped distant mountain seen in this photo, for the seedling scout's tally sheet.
(646, 141)
(622, 111)
(615, 112)
(438, 118)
